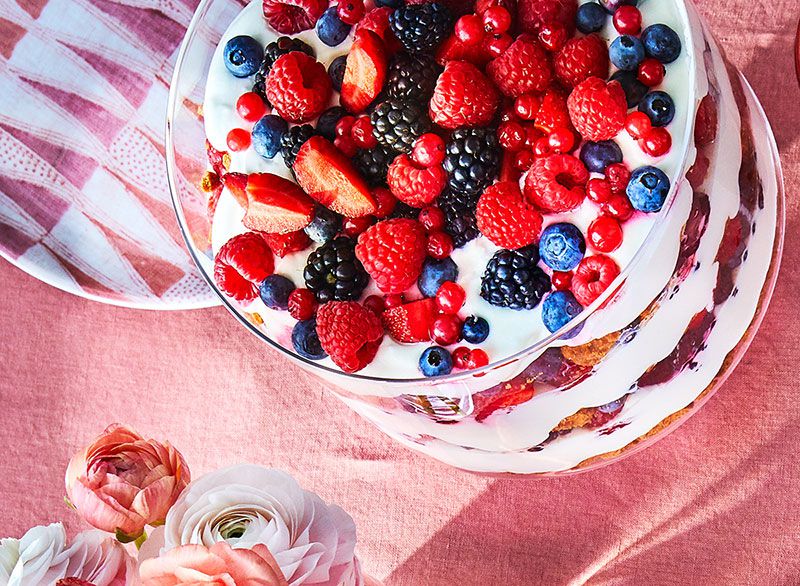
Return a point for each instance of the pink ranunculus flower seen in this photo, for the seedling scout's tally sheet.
(122, 482)
(211, 566)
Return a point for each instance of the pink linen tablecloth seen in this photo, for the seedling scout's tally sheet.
(714, 503)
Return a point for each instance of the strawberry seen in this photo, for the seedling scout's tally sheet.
(452, 49)
(299, 87)
(237, 185)
(463, 97)
(241, 264)
(523, 68)
(276, 205)
(705, 126)
(377, 21)
(532, 14)
(283, 244)
(414, 185)
(365, 72)
(556, 183)
(553, 113)
(350, 334)
(330, 178)
(511, 394)
(598, 109)
(580, 59)
(505, 218)
(392, 252)
(220, 161)
(593, 276)
(293, 16)
(410, 322)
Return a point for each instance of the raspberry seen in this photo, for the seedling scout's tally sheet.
(463, 97)
(392, 252)
(580, 59)
(618, 175)
(593, 276)
(241, 264)
(283, 244)
(553, 113)
(302, 304)
(556, 183)
(413, 185)
(350, 334)
(506, 219)
(598, 109)
(532, 14)
(298, 87)
(293, 16)
(521, 69)
(377, 21)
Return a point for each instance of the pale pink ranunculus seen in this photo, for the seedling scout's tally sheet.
(218, 565)
(122, 482)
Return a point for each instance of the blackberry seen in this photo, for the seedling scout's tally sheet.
(472, 159)
(412, 77)
(421, 27)
(293, 140)
(513, 279)
(326, 123)
(334, 273)
(398, 123)
(459, 216)
(274, 50)
(373, 164)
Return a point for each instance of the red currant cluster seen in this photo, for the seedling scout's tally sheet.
(251, 108)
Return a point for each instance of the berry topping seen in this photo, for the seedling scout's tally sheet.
(365, 72)
(463, 97)
(283, 244)
(626, 52)
(241, 265)
(513, 279)
(440, 245)
(331, 30)
(373, 164)
(553, 37)
(377, 21)
(461, 357)
(598, 109)
(605, 234)
(238, 139)
(661, 42)
(634, 89)
(306, 341)
(659, 107)
(651, 72)
(590, 18)
(435, 361)
(558, 309)
(446, 329)
(459, 216)
(648, 189)
(533, 14)
(275, 291)
(362, 135)
(598, 190)
(243, 56)
(293, 16)
(618, 175)
(330, 178)
(392, 251)
(334, 273)
(421, 27)
(477, 359)
(412, 77)
(628, 20)
(637, 124)
(413, 185)
(553, 113)
(250, 107)
(523, 68)
(657, 142)
(353, 227)
(350, 334)
(556, 183)
(336, 72)
(434, 274)
(351, 11)
(469, 29)
(298, 87)
(385, 202)
(428, 150)
(561, 280)
(410, 322)
(562, 246)
(593, 276)
(450, 297)
(580, 59)
(597, 156)
(326, 124)
(236, 183)
(267, 135)
(292, 140)
(472, 160)
(398, 123)
(475, 330)
(325, 225)
(506, 218)
(276, 205)
(432, 219)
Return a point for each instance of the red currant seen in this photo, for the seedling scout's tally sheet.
(450, 297)
(352, 227)
(651, 72)
(469, 29)
(347, 145)
(638, 124)
(238, 140)
(618, 207)
(561, 280)
(561, 140)
(393, 300)
(527, 106)
(507, 113)
(302, 304)
(440, 245)
(251, 107)
(477, 359)
(511, 136)
(345, 126)
(605, 234)
(542, 147)
(375, 304)
(428, 150)
(553, 37)
(461, 357)
(385, 202)
(432, 218)
(598, 190)
(496, 20)
(532, 134)
(618, 175)
(657, 142)
(350, 11)
(361, 133)
(628, 20)
(523, 160)
(496, 45)
(446, 330)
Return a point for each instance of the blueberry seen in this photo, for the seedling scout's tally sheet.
(325, 225)
(599, 155)
(475, 329)
(306, 341)
(626, 52)
(659, 107)
(336, 71)
(326, 125)
(435, 361)
(267, 134)
(648, 189)
(613, 406)
(275, 291)
(389, 3)
(612, 6)
(561, 246)
(558, 309)
(634, 89)
(661, 42)
(590, 18)
(243, 56)
(330, 28)
(434, 273)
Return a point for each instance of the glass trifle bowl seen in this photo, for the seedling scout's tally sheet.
(638, 359)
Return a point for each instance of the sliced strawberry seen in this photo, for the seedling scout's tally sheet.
(452, 49)
(219, 160)
(283, 244)
(329, 177)
(365, 72)
(410, 322)
(506, 396)
(377, 20)
(276, 205)
(237, 185)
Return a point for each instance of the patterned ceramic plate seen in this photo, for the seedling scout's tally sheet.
(84, 201)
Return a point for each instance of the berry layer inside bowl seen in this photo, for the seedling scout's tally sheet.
(433, 188)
